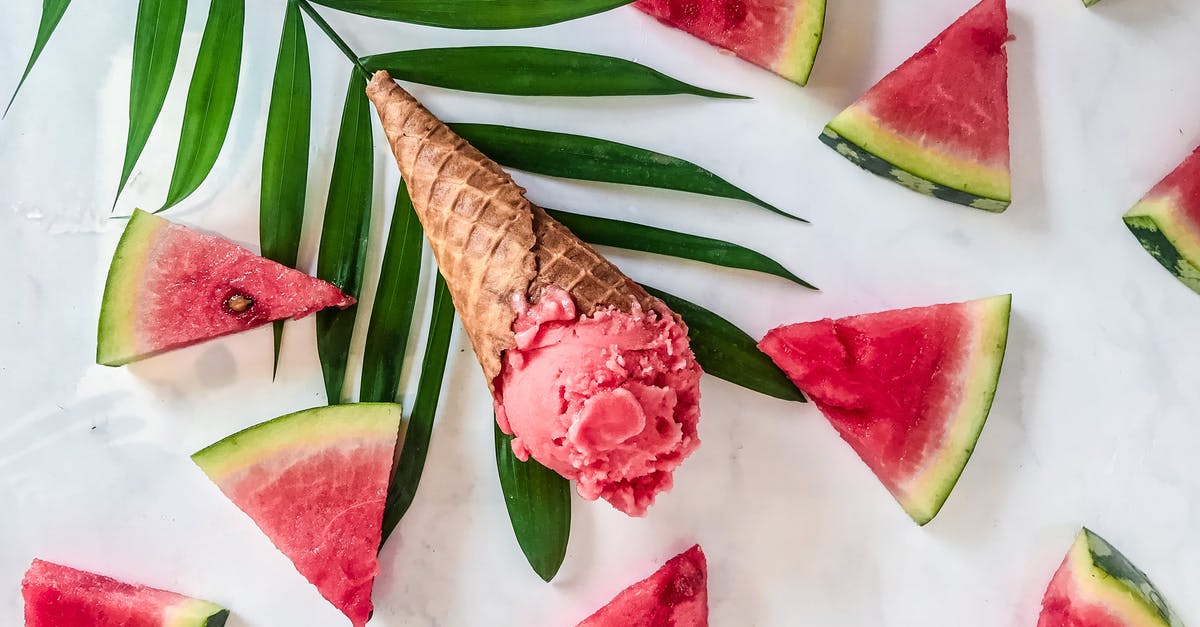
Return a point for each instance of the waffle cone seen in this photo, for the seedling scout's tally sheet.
(491, 243)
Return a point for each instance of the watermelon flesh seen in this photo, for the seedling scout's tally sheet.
(1097, 586)
(60, 596)
(315, 482)
(908, 389)
(1167, 222)
(780, 35)
(938, 124)
(674, 596)
(170, 287)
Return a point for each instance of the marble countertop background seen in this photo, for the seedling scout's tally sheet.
(1096, 421)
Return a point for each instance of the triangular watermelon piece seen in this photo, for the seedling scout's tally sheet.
(59, 596)
(780, 35)
(316, 483)
(674, 596)
(170, 287)
(1097, 586)
(1167, 221)
(908, 389)
(938, 124)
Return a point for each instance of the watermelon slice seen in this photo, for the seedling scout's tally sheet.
(780, 35)
(938, 124)
(316, 482)
(674, 596)
(1167, 221)
(170, 287)
(58, 596)
(1096, 586)
(909, 389)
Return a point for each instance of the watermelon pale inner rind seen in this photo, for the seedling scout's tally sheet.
(117, 334)
(197, 613)
(800, 49)
(297, 431)
(1095, 579)
(924, 494)
(860, 137)
(1167, 233)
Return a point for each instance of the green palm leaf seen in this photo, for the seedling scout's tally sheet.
(342, 257)
(210, 98)
(648, 239)
(526, 71)
(727, 352)
(285, 154)
(52, 13)
(476, 14)
(395, 301)
(591, 159)
(159, 33)
(411, 463)
(539, 506)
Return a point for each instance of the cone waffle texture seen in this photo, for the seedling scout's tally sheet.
(491, 243)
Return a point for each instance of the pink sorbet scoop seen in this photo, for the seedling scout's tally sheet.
(610, 400)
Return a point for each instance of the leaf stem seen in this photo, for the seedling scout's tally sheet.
(334, 37)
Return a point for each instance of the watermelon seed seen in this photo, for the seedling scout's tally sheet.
(239, 304)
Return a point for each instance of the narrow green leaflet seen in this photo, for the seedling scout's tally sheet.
(539, 506)
(592, 159)
(395, 300)
(156, 42)
(476, 14)
(285, 154)
(52, 13)
(334, 37)
(343, 254)
(525, 71)
(210, 98)
(727, 352)
(411, 464)
(633, 236)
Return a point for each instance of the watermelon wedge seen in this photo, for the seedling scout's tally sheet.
(170, 287)
(1167, 221)
(674, 596)
(59, 596)
(1096, 586)
(908, 389)
(938, 124)
(316, 482)
(780, 35)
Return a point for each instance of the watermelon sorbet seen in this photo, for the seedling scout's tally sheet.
(610, 400)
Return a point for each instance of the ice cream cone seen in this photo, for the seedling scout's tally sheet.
(491, 243)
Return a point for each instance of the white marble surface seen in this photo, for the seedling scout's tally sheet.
(1096, 419)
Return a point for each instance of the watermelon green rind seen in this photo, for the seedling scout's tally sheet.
(117, 336)
(800, 53)
(1101, 576)
(923, 495)
(218, 619)
(300, 430)
(860, 138)
(1163, 230)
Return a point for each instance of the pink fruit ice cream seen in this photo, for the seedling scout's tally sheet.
(610, 400)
